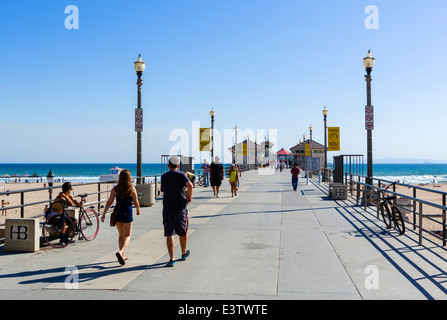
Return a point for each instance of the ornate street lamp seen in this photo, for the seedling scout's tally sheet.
(368, 63)
(139, 66)
(235, 143)
(212, 114)
(325, 112)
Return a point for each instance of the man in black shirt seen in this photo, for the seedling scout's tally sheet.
(175, 214)
(216, 175)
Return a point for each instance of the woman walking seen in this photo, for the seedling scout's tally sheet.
(234, 179)
(125, 194)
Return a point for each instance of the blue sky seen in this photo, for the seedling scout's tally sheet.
(69, 95)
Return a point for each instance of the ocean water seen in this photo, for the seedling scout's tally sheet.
(412, 173)
(83, 172)
(74, 172)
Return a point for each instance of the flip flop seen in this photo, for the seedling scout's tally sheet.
(120, 259)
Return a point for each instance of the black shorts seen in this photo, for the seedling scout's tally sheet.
(175, 222)
(216, 182)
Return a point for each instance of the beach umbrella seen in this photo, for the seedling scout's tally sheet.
(35, 176)
(25, 175)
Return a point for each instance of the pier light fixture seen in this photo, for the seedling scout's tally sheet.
(369, 61)
(139, 65)
(50, 178)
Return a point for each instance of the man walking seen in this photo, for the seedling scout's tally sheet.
(175, 213)
(295, 171)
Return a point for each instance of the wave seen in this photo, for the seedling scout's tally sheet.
(416, 179)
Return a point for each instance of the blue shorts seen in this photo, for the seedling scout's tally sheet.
(175, 222)
(124, 217)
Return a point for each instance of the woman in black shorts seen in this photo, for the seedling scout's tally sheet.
(125, 195)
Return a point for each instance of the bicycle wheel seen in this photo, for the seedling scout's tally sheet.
(89, 224)
(57, 231)
(386, 214)
(201, 181)
(398, 220)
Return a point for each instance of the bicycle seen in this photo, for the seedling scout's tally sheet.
(393, 216)
(201, 181)
(59, 229)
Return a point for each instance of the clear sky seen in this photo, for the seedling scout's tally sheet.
(68, 95)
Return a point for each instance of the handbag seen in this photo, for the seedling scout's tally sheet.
(113, 219)
(113, 215)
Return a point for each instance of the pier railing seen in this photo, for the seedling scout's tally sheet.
(420, 211)
(100, 196)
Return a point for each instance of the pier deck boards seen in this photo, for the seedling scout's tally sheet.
(268, 242)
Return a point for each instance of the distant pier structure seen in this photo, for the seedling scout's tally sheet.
(316, 150)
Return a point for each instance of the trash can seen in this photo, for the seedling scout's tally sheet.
(146, 194)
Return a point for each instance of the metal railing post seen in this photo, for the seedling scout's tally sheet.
(420, 223)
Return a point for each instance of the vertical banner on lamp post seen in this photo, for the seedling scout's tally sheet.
(138, 119)
(333, 134)
(204, 139)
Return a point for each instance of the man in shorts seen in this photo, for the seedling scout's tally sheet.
(175, 213)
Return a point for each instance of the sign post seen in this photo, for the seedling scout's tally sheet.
(369, 118)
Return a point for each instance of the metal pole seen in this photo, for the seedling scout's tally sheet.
(212, 138)
(369, 167)
(325, 149)
(139, 151)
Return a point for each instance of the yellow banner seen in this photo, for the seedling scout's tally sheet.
(244, 149)
(205, 139)
(333, 134)
(307, 150)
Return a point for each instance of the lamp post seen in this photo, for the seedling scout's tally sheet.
(325, 112)
(235, 143)
(212, 114)
(310, 140)
(50, 179)
(139, 66)
(368, 63)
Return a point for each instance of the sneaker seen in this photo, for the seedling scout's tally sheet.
(186, 255)
(170, 263)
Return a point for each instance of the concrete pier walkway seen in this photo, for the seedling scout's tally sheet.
(268, 242)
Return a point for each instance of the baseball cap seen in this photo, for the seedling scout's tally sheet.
(175, 161)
